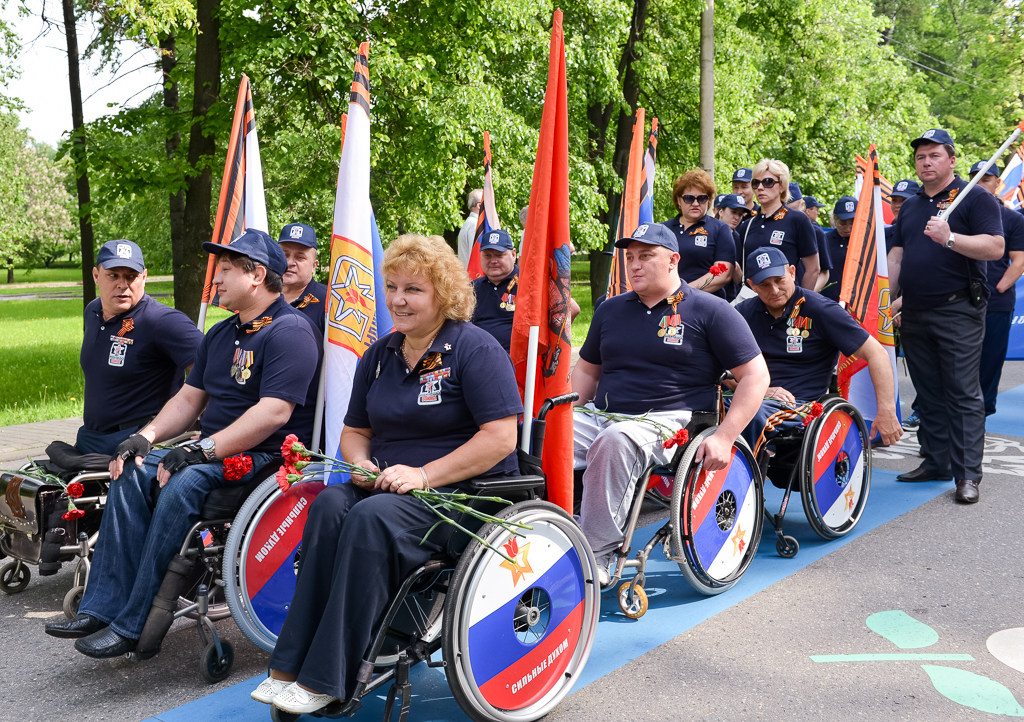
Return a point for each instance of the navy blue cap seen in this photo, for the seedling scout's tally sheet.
(743, 174)
(766, 262)
(121, 254)
(812, 202)
(734, 200)
(298, 233)
(254, 244)
(794, 191)
(906, 189)
(935, 135)
(719, 198)
(992, 169)
(654, 234)
(846, 208)
(496, 240)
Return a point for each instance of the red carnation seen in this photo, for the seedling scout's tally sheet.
(677, 439)
(71, 514)
(235, 467)
(282, 478)
(293, 450)
(76, 489)
(815, 412)
(718, 269)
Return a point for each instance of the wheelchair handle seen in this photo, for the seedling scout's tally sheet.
(551, 403)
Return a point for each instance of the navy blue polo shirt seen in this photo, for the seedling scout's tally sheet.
(802, 364)
(702, 245)
(134, 362)
(837, 249)
(464, 380)
(930, 273)
(495, 306)
(275, 355)
(1013, 234)
(788, 230)
(890, 231)
(311, 302)
(668, 357)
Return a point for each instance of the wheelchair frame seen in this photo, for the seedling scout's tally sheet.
(802, 474)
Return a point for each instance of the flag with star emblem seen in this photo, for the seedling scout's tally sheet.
(242, 203)
(637, 198)
(356, 315)
(865, 292)
(487, 221)
(541, 348)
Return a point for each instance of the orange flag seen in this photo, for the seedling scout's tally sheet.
(629, 209)
(543, 298)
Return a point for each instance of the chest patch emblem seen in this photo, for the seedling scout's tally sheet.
(430, 386)
(119, 344)
(777, 238)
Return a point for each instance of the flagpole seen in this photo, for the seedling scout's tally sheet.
(980, 174)
(529, 391)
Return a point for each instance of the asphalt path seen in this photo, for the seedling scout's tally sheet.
(917, 617)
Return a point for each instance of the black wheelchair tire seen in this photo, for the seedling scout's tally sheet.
(682, 493)
(14, 577)
(216, 668)
(809, 497)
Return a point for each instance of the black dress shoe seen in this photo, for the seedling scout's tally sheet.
(104, 644)
(967, 491)
(923, 473)
(82, 625)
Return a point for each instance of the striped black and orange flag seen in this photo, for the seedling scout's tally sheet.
(487, 221)
(242, 203)
(886, 185)
(637, 204)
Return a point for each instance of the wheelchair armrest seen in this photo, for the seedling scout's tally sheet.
(500, 485)
(554, 401)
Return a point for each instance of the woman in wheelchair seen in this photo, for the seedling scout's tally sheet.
(433, 404)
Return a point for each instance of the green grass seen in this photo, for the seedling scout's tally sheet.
(46, 275)
(40, 378)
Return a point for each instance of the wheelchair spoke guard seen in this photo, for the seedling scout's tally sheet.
(716, 518)
(517, 635)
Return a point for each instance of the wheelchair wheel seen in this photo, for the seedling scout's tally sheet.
(71, 601)
(206, 571)
(717, 518)
(516, 636)
(14, 577)
(259, 558)
(214, 667)
(835, 471)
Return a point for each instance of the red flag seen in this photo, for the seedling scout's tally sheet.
(543, 298)
(487, 221)
(629, 209)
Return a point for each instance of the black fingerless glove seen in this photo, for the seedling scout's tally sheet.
(182, 456)
(134, 445)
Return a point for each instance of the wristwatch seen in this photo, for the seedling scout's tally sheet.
(209, 448)
(951, 241)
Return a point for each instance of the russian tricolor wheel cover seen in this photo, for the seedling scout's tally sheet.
(525, 628)
(266, 563)
(719, 518)
(838, 469)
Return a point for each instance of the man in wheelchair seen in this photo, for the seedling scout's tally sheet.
(253, 382)
(801, 334)
(654, 354)
(134, 351)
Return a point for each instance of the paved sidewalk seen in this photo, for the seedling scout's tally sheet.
(22, 441)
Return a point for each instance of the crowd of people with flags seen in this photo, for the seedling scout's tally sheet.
(421, 390)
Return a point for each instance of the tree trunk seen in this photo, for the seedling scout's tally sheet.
(707, 88)
(78, 155)
(176, 201)
(189, 258)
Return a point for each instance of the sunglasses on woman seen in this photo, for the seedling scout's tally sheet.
(767, 183)
(690, 200)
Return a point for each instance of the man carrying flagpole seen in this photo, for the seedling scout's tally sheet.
(937, 262)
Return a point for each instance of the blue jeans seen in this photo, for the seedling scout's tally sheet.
(136, 540)
(993, 353)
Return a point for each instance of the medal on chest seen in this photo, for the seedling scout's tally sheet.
(430, 386)
(240, 364)
(797, 329)
(508, 298)
(944, 204)
(119, 344)
(670, 327)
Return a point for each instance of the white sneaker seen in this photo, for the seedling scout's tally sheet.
(603, 577)
(297, 700)
(268, 689)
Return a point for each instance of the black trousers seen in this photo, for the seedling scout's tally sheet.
(943, 349)
(357, 548)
